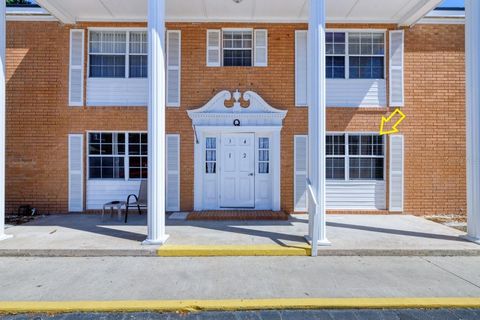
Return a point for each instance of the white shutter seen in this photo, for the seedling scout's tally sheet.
(75, 173)
(174, 52)
(173, 172)
(300, 173)
(396, 68)
(301, 68)
(213, 48)
(76, 68)
(396, 173)
(261, 48)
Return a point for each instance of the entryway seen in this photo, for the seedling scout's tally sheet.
(237, 153)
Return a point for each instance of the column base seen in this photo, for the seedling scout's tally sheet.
(156, 242)
(5, 237)
(321, 243)
(471, 239)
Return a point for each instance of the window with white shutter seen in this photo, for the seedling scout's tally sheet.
(174, 39)
(76, 68)
(300, 173)
(301, 68)
(396, 173)
(213, 48)
(75, 173)
(396, 68)
(261, 48)
(173, 172)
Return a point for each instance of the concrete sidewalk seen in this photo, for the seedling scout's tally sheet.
(87, 235)
(139, 278)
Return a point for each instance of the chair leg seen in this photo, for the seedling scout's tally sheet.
(139, 210)
(126, 214)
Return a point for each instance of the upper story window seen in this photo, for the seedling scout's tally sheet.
(237, 48)
(118, 54)
(355, 55)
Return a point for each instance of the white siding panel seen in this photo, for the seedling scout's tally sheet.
(301, 68)
(100, 192)
(75, 173)
(356, 93)
(117, 92)
(368, 195)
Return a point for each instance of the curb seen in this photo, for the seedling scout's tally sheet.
(236, 305)
(232, 251)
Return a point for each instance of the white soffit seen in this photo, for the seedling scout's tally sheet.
(402, 12)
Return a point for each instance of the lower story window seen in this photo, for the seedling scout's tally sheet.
(117, 155)
(353, 157)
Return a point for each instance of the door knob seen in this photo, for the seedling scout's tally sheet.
(250, 175)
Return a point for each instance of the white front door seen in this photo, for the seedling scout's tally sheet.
(237, 174)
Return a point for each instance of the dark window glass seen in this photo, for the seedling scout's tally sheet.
(138, 66)
(107, 66)
(366, 67)
(335, 168)
(237, 58)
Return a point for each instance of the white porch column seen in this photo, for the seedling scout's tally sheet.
(472, 56)
(316, 125)
(156, 123)
(3, 36)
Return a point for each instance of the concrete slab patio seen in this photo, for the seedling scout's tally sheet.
(87, 235)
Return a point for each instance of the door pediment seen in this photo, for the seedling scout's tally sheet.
(216, 113)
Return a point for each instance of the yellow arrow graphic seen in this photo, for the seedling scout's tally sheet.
(389, 119)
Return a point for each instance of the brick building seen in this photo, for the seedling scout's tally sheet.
(236, 96)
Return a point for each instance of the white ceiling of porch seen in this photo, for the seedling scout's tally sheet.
(376, 11)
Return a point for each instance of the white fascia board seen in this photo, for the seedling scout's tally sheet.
(56, 11)
(419, 11)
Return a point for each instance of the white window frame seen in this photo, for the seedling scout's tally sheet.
(347, 53)
(347, 156)
(126, 156)
(222, 48)
(126, 54)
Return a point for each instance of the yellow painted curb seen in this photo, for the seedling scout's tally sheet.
(236, 305)
(232, 250)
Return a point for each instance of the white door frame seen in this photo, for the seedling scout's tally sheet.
(202, 132)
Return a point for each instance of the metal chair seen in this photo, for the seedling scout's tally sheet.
(140, 200)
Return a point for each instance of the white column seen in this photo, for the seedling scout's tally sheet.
(156, 123)
(316, 125)
(472, 56)
(3, 35)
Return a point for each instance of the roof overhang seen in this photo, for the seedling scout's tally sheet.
(400, 12)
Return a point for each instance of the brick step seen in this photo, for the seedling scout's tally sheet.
(237, 215)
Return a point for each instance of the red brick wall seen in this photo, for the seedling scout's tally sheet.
(39, 119)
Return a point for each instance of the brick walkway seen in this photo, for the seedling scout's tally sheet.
(238, 215)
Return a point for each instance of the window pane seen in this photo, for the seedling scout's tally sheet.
(138, 66)
(237, 58)
(335, 168)
(263, 168)
(138, 42)
(105, 66)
